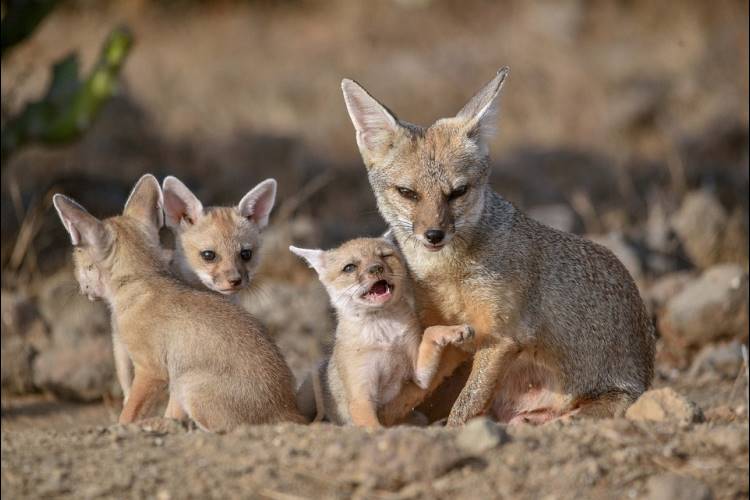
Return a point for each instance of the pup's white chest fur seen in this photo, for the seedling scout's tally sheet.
(387, 347)
(388, 331)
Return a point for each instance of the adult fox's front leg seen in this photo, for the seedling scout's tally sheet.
(486, 370)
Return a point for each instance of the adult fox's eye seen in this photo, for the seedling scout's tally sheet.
(246, 254)
(208, 255)
(407, 193)
(349, 268)
(458, 192)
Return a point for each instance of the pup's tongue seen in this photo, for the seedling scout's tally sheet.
(379, 288)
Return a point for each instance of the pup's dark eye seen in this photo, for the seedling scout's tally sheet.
(349, 268)
(407, 193)
(246, 254)
(458, 192)
(208, 255)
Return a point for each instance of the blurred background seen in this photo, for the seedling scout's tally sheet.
(624, 121)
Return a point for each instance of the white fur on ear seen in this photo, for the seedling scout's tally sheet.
(84, 229)
(373, 122)
(258, 203)
(480, 112)
(146, 202)
(180, 204)
(314, 257)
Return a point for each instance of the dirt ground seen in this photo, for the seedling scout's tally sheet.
(54, 450)
(626, 122)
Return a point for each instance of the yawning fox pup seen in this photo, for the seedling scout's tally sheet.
(220, 367)
(379, 343)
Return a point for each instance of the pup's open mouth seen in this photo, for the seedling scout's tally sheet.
(380, 292)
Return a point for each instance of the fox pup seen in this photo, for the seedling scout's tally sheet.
(560, 326)
(379, 343)
(217, 247)
(216, 360)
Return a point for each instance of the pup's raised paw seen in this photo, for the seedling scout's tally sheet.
(456, 335)
(461, 334)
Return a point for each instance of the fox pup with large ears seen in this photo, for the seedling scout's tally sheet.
(379, 345)
(221, 371)
(217, 247)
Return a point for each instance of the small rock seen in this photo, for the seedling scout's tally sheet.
(721, 413)
(16, 358)
(724, 360)
(664, 405)
(481, 434)
(619, 246)
(674, 487)
(556, 216)
(72, 317)
(24, 334)
(708, 234)
(666, 287)
(81, 373)
(733, 439)
(711, 307)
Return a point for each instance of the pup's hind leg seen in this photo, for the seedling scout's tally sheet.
(144, 393)
(174, 409)
(123, 366)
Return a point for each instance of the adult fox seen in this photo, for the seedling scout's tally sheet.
(560, 326)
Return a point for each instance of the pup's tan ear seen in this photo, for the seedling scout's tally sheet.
(375, 124)
(315, 258)
(146, 202)
(181, 206)
(257, 204)
(84, 229)
(479, 114)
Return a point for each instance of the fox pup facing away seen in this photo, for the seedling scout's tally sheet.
(217, 247)
(379, 344)
(217, 362)
(560, 326)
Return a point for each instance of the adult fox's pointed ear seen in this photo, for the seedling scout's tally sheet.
(84, 229)
(374, 123)
(314, 257)
(479, 114)
(146, 202)
(180, 204)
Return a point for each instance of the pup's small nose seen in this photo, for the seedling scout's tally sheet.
(434, 236)
(235, 281)
(375, 269)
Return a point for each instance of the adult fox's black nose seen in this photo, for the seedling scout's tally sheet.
(375, 269)
(434, 236)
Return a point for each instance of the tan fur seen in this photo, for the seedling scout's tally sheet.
(559, 322)
(224, 232)
(217, 361)
(379, 345)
